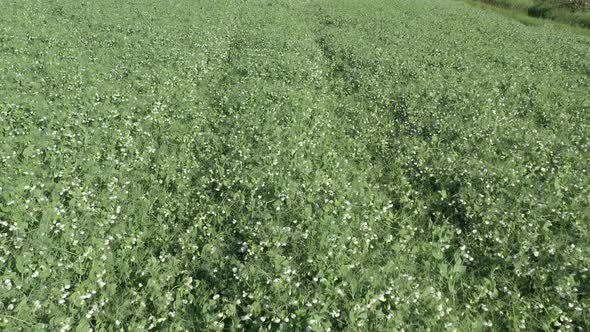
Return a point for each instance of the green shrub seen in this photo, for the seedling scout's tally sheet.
(570, 17)
(573, 4)
(561, 14)
(540, 10)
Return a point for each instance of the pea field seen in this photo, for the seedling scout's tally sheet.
(291, 165)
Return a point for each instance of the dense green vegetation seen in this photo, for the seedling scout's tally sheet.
(574, 12)
(291, 165)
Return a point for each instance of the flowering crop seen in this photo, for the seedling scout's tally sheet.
(291, 165)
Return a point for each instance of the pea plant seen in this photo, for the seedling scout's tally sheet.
(285, 165)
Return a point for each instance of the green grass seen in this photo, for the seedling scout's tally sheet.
(291, 165)
(581, 19)
(576, 14)
(520, 16)
(524, 18)
(522, 5)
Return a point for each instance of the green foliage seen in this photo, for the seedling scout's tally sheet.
(515, 4)
(573, 12)
(579, 18)
(291, 165)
